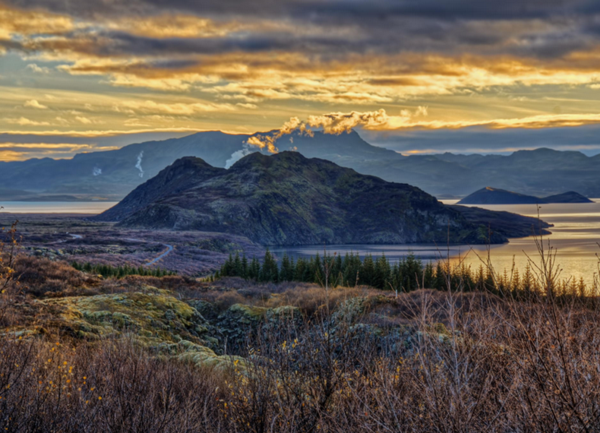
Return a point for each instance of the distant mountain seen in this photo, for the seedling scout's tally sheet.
(489, 195)
(287, 199)
(113, 174)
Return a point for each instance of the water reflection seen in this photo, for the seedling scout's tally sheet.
(92, 207)
(575, 236)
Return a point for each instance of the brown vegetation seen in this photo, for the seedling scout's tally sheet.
(369, 361)
(474, 363)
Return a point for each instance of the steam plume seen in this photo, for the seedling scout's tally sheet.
(332, 123)
(236, 156)
(139, 163)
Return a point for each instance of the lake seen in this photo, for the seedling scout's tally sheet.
(575, 236)
(91, 207)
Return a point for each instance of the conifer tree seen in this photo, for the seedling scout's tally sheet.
(429, 276)
(238, 270)
(381, 276)
(441, 277)
(367, 271)
(287, 271)
(244, 267)
(269, 271)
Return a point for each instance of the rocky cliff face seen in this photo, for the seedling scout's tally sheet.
(287, 199)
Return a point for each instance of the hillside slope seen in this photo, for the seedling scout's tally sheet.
(287, 199)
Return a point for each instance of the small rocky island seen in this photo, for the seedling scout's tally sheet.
(489, 195)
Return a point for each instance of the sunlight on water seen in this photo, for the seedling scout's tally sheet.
(575, 236)
(92, 207)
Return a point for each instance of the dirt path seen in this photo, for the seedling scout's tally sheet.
(166, 253)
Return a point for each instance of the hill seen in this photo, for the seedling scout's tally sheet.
(567, 197)
(287, 199)
(489, 195)
(506, 224)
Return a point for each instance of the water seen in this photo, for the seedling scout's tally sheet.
(91, 207)
(575, 236)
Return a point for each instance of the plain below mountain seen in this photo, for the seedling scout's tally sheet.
(287, 199)
(489, 195)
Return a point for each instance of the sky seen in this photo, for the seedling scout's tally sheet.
(418, 76)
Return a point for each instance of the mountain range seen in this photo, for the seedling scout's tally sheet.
(113, 174)
(288, 199)
(489, 195)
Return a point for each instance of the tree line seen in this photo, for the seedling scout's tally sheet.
(407, 274)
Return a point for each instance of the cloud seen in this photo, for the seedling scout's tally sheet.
(337, 123)
(32, 103)
(24, 151)
(353, 52)
(220, 60)
(29, 22)
(478, 139)
(380, 121)
(38, 69)
(529, 122)
(185, 109)
(23, 121)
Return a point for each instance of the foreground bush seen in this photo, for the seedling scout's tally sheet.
(439, 362)
(114, 388)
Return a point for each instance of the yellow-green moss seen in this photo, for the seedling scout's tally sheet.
(153, 317)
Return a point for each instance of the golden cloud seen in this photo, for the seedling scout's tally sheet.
(24, 151)
(186, 109)
(33, 103)
(20, 22)
(531, 122)
(9, 155)
(52, 146)
(23, 121)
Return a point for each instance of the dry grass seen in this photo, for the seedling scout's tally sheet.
(425, 361)
(496, 365)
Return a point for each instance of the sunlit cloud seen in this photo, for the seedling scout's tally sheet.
(189, 66)
(23, 121)
(9, 155)
(149, 106)
(533, 122)
(32, 103)
(24, 151)
(15, 21)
